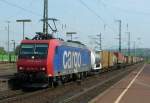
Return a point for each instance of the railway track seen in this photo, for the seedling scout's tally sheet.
(7, 70)
(6, 62)
(71, 92)
(9, 94)
(7, 65)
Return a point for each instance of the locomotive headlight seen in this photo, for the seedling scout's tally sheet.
(43, 68)
(20, 68)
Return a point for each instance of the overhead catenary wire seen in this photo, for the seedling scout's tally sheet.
(91, 10)
(37, 14)
(124, 9)
(105, 6)
(19, 7)
(97, 15)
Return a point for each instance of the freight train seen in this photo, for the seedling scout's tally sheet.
(50, 62)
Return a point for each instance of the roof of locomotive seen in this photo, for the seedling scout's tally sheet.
(34, 41)
(61, 42)
(74, 44)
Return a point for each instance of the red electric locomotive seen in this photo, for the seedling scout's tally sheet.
(48, 62)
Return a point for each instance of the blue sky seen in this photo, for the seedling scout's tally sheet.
(86, 17)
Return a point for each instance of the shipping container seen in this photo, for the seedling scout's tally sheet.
(114, 58)
(120, 57)
(132, 59)
(108, 59)
(128, 59)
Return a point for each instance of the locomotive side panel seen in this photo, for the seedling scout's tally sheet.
(50, 57)
(70, 60)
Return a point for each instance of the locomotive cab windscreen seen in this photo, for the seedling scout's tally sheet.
(33, 51)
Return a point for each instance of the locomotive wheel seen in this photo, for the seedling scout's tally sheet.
(84, 74)
(54, 84)
(74, 77)
(41, 77)
(60, 80)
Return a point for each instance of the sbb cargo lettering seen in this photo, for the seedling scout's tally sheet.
(71, 59)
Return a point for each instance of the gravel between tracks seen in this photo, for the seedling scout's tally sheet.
(74, 92)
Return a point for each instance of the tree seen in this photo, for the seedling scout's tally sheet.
(2, 50)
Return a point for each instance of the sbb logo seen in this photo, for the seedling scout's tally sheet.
(71, 59)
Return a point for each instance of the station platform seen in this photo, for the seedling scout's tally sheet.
(134, 88)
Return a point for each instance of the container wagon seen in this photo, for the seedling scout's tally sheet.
(96, 61)
(120, 59)
(108, 59)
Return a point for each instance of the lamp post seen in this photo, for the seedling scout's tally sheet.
(23, 21)
(71, 34)
(14, 45)
(8, 22)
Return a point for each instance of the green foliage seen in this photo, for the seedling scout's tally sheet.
(2, 51)
(5, 57)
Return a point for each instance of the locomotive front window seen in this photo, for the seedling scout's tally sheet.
(27, 49)
(39, 51)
